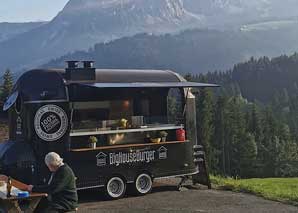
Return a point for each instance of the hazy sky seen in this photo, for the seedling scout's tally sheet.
(29, 10)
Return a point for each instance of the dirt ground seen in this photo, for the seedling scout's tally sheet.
(166, 198)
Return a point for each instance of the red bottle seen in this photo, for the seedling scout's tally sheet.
(180, 134)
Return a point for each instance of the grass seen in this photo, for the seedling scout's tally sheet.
(277, 189)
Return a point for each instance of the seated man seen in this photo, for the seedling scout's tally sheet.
(61, 188)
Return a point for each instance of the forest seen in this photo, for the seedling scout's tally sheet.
(249, 125)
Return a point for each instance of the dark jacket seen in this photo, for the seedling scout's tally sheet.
(61, 190)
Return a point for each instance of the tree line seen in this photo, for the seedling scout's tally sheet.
(249, 125)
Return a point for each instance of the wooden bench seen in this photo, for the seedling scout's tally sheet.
(11, 204)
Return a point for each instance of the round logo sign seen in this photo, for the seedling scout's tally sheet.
(50, 122)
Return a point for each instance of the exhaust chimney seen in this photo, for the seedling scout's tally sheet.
(72, 64)
(75, 73)
(88, 64)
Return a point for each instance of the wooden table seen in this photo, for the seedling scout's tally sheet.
(13, 204)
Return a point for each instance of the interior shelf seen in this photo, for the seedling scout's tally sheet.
(103, 132)
(127, 146)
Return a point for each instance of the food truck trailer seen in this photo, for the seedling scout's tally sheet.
(114, 128)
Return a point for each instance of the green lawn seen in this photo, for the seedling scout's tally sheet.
(278, 189)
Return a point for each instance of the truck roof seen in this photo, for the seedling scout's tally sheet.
(50, 84)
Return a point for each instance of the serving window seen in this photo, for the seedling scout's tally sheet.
(117, 116)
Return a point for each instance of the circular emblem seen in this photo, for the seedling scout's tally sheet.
(50, 122)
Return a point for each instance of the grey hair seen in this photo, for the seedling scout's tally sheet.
(53, 159)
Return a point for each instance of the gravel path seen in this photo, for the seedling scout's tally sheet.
(165, 198)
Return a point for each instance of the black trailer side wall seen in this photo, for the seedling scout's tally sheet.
(49, 125)
(95, 167)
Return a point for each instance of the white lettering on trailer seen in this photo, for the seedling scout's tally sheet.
(125, 157)
(131, 157)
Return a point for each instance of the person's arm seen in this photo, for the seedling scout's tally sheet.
(59, 181)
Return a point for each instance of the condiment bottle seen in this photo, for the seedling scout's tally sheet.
(180, 134)
(8, 187)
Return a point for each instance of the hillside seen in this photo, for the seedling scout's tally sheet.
(9, 30)
(81, 24)
(194, 51)
(263, 79)
(234, 13)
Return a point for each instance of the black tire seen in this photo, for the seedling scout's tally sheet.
(143, 184)
(115, 187)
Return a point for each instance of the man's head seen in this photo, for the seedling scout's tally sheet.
(53, 161)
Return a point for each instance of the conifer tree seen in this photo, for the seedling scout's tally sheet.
(247, 155)
(205, 121)
(219, 135)
(238, 124)
(7, 84)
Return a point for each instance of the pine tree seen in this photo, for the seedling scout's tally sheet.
(188, 77)
(7, 85)
(269, 146)
(235, 129)
(247, 155)
(205, 121)
(219, 135)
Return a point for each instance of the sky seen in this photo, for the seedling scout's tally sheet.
(29, 10)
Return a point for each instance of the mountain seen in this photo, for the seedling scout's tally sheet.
(9, 30)
(232, 13)
(82, 23)
(195, 51)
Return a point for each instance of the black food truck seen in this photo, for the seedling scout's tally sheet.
(115, 128)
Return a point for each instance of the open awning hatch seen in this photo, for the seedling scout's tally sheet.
(185, 84)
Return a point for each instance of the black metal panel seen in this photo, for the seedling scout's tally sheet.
(94, 167)
(41, 85)
(49, 84)
(80, 74)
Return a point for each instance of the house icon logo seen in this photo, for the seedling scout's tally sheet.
(162, 153)
(101, 159)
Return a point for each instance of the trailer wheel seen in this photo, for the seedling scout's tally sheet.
(143, 184)
(115, 188)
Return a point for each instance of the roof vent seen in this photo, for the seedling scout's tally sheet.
(72, 64)
(85, 72)
(88, 64)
